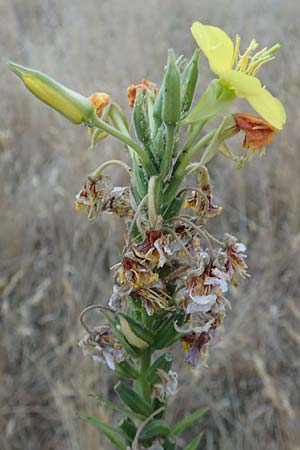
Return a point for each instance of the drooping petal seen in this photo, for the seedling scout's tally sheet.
(269, 107)
(215, 44)
(243, 85)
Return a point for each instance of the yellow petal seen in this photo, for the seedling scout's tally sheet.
(215, 44)
(269, 107)
(243, 85)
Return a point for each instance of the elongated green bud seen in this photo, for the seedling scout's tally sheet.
(157, 108)
(189, 82)
(159, 144)
(171, 108)
(133, 400)
(75, 107)
(140, 120)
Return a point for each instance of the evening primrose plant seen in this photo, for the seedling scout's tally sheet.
(173, 277)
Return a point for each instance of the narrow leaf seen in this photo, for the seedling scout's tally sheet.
(107, 430)
(193, 445)
(185, 423)
(118, 408)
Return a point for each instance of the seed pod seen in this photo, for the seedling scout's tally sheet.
(139, 331)
(75, 107)
(154, 429)
(140, 120)
(189, 82)
(163, 362)
(166, 334)
(171, 108)
(125, 370)
(133, 400)
(157, 108)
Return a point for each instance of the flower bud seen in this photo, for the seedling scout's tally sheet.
(140, 120)
(171, 108)
(75, 107)
(189, 82)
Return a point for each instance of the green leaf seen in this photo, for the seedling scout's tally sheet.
(183, 424)
(215, 100)
(193, 445)
(118, 408)
(133, 400)
(154, 429)
(107, 430)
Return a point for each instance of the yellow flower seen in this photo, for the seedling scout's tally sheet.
(237, 73)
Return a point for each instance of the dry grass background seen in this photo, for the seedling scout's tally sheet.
(54, 263)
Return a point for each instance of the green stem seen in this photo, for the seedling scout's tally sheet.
(179, 170)
(144, 385)
(193, 136)
(147, 163)
(164, 168)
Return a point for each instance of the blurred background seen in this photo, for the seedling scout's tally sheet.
(54, 263)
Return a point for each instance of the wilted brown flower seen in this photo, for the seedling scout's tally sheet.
(142, 86)
(258, 132)
(99, 101)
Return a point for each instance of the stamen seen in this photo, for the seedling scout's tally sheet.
(244, 59)
(236, 49)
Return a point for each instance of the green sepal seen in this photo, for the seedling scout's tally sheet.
(163, 362)
(215, 100)
(194, 444)
(185, 423)
(189, 80)
(126, 370)
(107, 430)
(133, 400)
(154, 429)
(170, 443)
(129, 428)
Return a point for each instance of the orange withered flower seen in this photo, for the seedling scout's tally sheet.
(258, 132)
(142, 86)
(99, 101)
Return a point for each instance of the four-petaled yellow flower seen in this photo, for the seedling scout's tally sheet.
(237, 73)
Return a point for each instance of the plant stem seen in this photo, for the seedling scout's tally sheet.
(147, 163)
(145, 387)
(167, 156)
